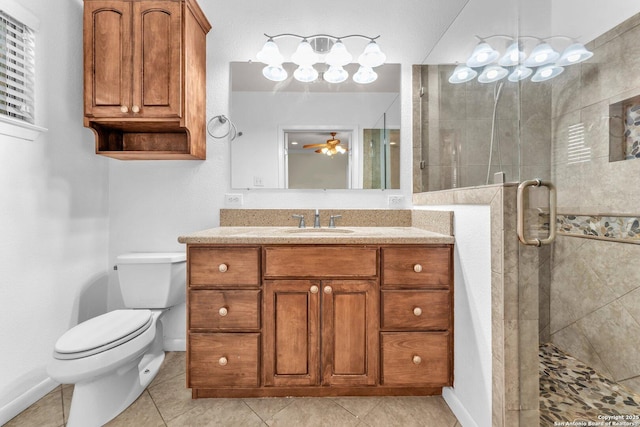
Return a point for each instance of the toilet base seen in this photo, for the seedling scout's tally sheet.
(97, 402)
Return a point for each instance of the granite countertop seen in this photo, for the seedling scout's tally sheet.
(293, 235)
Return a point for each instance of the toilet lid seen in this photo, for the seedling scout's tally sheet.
(103, 332)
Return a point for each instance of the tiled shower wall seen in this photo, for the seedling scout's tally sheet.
(453, 126)
(594, 293)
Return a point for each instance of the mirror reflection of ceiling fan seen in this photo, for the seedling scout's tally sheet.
(331, 147)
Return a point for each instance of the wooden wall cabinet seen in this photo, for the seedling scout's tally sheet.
(319, 320)
(145, 78)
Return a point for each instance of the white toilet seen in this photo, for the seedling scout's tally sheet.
(112, 358)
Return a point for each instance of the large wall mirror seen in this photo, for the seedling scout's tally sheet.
(315, 135)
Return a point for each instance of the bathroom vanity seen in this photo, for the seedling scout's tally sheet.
(280, 311)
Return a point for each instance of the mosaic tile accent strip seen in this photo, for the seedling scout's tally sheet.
(573, 394)
(619, 228)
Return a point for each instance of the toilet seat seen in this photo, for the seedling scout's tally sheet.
(102, 333)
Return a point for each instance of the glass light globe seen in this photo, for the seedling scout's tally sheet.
(305, 74)
(338, 55)
(335, 74)
(270, 54)
(275, 73)
(304, 54)
(365, 75)
(372, 56)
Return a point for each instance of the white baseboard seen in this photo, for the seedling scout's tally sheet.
(458, 409)
(26, 399)
(175, 344)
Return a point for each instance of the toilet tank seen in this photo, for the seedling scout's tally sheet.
(152, 279)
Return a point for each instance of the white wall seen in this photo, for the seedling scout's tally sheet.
(470, 396)
(53, 215)
(256, 151)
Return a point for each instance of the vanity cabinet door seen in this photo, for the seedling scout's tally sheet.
(157, 41)
(107, 58)
(411, 267)
(416, 359)
(349, 332)
(291, 332)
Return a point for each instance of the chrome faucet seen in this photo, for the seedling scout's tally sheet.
(332, 220)
(301, 224)
(316, 222)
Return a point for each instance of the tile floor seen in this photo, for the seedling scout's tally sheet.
(167, 402)
(572, 393)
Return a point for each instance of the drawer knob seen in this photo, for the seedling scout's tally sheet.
(417, 311)
(313, 289)
(222, 268)
(417, 360)
(327, 289)
(124, 109)
(223, 311)
(223, 361)
(135, 109)
(417, 268)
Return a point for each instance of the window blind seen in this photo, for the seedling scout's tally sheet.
(17, 69)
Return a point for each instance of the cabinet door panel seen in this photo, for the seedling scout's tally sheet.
(238, 267)
(349, 332)
(416, 359)
(107, 57)
(413, 267)
(224, 360)
(226, 310)
(416, 310)
(300, 261)
(291, 332)
(156, 60)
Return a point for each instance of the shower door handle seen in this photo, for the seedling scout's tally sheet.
(552, 212)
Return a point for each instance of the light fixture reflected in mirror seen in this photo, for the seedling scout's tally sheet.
(541, 55)
(310, 51)
(543, 62)
(547, 72)
(492, 74)
(482, 55)
(462, 74)
(574, 54)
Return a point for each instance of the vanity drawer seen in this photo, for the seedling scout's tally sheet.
(224, 266)
(224, 310)
(320, 261)
(415, 310)
(416, 266)
(416, 359)
(224, 360)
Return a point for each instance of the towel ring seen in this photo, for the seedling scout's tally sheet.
(218, 122)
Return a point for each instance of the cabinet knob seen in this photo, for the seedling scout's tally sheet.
(124, 109)
(223, 311)
(222, 268)
(135, 109)
(313, 289)
(327, 289)
(417, 268)
(222, 361)
(417, 360)
(417, 311)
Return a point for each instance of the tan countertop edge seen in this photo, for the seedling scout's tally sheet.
(291, 235)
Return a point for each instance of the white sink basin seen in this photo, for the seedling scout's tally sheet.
(318, 230)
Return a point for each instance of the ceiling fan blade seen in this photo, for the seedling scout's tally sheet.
(319, 151)
(313, 145)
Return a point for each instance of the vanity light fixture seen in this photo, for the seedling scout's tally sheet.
(542, 63)
(323, 48)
